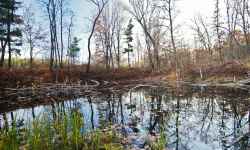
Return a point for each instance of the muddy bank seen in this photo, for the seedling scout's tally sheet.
(50, 93)
(47, 94)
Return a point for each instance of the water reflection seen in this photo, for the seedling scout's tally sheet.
(191, 118)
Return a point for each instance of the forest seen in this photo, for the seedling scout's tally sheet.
(124, 74)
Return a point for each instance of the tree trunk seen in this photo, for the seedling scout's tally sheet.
(9, 44)
(89, 51)
(31, 51)
(2, 58)
(172, 40)
(3, 47)
(61, 25)
(118, 51)
(149, 55)
(129, 61)
(91, 34)
(51, 38)
(31, 56)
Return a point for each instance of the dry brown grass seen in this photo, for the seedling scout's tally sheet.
(171, 76)
(231, 69)
(27, 77)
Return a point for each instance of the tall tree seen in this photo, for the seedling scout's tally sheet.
(144, 12)
(168, 7)
(3, 32)
(217, 26)
(138, 49)
(69, 38)
(51, 7)
(107, 22)
(100, 4)
(129, 40)
(10, 21)
(232, 17)
(118, 32)
(56, 11)
(242, 8)
(61, 7)
(33, 32)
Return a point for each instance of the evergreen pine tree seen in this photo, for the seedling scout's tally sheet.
(74, 49)
(129, 40)
(10, 33)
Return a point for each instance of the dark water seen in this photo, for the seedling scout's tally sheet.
(192, 118)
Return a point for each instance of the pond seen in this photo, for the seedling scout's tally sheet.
(192, 118)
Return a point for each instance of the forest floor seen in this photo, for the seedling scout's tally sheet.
(15, 78)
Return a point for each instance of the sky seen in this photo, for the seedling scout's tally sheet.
(84, 10)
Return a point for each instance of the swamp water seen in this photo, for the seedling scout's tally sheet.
(191, 118)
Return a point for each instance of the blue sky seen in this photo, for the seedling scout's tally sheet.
(82, 10)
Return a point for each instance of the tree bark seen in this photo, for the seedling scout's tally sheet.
(31, 54)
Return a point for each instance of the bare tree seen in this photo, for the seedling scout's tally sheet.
(242, 8)
(143, 11)
(33, 32)
(204, 38)
(139, 49)
(61, 6)
(51, 7)
(108, 35)
(232, 17)
(108, 22)
(168, 6)
(69, 42)
(119, 19)
(202, 30)
(100, 4)
(217, 26)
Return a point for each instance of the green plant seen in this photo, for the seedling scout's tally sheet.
(77, 124)
(35, 137)
(112, 146)
(10, 139)
(160, 144)
(62, 131)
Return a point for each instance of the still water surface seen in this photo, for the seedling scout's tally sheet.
(192, 118)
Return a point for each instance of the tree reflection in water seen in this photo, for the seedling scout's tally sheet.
(192, 118)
